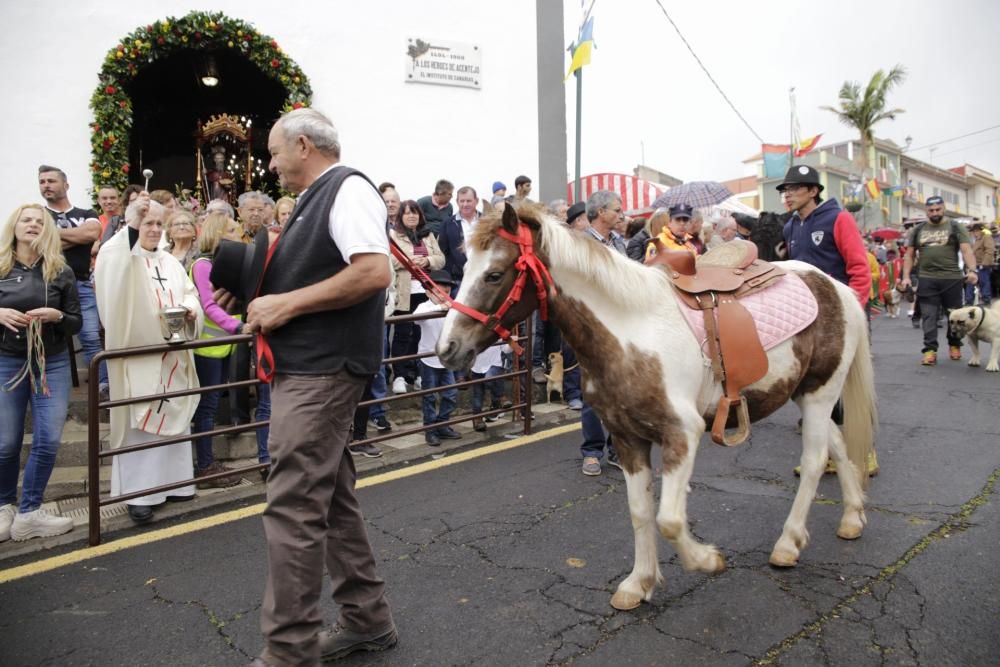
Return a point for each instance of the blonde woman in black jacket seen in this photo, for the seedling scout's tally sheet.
(39, 313)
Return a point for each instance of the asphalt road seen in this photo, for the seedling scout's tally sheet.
(511, 558)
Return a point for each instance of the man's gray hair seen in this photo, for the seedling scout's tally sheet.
(556, 203)
(222, 206)
(252, 195)
(314, 126)
(725, 223)
(132, 212)
(600, 199)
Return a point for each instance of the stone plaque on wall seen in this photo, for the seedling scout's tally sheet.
(442, 63)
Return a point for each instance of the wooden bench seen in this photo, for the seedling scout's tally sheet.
(714, 284)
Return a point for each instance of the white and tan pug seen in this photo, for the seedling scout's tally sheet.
(978, 323)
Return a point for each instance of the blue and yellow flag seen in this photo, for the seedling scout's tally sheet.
(581, 50)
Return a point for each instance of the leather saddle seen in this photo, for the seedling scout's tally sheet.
(714, 284)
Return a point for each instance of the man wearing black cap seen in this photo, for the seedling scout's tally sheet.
(823, 234)
(576, 218)
(674, 234)
(935, 246)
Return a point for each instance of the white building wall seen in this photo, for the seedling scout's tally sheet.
(354, 54)
(927, 184)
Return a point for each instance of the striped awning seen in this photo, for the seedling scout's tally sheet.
(637, 195)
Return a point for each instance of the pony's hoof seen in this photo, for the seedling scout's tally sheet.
(783, 559)
(849, 531)
(625, 601)
(718, 565)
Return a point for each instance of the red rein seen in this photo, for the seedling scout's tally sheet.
(528, 265)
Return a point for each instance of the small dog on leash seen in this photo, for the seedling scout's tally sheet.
(979, 323)
(892, 301)
(554, 378)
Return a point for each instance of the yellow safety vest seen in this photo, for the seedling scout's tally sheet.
(211, 329)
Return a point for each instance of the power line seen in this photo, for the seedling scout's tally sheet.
(959, 150)
(987, 129)
(705, 69)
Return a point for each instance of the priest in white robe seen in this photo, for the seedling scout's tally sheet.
(134, 281)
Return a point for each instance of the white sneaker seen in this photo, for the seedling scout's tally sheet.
(417, 384)
(7, 514)
(39, 524)
(399, 386)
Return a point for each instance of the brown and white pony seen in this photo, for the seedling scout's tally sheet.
(646, 377)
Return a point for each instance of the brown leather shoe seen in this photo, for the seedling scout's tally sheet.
(339, 642)
(222, 483)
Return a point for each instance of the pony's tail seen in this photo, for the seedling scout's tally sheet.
(860, 410)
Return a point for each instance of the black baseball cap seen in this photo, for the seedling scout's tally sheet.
(681, 211)
(575, 211)
(931, 201)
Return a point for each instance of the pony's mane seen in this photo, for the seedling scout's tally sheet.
(623, 279)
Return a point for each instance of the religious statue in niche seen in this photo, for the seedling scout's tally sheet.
(219, 180)
(225, 165)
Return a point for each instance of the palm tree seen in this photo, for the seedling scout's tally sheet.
(863, 109)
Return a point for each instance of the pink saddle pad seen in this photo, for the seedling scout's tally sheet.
(780, 312)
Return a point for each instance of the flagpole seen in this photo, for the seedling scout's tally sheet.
(579, 132)
(791, 127)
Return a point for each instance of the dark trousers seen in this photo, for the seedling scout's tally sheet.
(239, 370)
(938, 297)
(313, 518)
(361, 414)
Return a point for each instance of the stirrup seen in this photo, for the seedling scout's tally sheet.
(719, 434)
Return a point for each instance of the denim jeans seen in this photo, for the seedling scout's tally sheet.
(571, 378)
(595, 438)
(211, 371)
(405, 339)
(431, 378)
(479, 390)
(48, 416)
(379, 385)
(90, 333)
(263, 413)
(985, 292)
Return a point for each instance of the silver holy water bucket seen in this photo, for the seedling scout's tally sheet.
(173, 322)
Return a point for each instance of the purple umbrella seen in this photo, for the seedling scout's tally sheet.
(695, 194)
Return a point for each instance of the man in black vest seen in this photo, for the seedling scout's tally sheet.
(320, 309)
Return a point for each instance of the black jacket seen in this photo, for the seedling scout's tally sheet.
(24, 289)
(636, 248)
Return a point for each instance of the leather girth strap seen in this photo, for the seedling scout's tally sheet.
(714, 285)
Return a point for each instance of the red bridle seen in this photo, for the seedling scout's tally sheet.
(528, 264)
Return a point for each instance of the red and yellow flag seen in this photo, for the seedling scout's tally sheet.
(871, 187)
(807, 145)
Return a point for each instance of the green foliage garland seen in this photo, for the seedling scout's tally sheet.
(112, 106)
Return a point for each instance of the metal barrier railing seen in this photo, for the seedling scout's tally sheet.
(519, 409)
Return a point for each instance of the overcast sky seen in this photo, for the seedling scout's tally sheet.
(643, 87)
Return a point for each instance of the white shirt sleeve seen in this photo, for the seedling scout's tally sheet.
(357, 219)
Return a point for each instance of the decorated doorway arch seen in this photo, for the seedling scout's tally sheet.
(198, 31)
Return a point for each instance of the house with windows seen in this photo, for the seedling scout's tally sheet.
(904, 184)
(924, 180)
(981, 192)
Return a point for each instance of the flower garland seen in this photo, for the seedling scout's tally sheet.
(112, 106)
